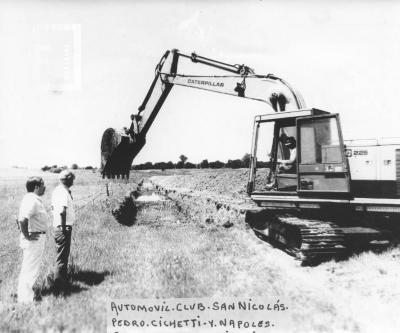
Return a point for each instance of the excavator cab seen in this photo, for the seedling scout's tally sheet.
(306, 159)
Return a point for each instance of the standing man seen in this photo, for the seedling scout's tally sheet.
(63, 219)
(33, 221)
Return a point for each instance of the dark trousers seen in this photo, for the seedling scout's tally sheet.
(63, 246)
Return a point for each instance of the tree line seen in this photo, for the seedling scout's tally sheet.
(57, 169)
(183, 163)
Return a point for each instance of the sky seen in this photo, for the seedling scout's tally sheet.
(71, 69)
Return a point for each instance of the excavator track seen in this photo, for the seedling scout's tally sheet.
(306, 239)
(318, 238)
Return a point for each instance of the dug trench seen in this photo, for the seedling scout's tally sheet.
(150, 204)
(155, 205)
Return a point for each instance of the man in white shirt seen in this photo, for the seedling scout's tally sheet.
(289, 166)
(33, 221)
(63, 220)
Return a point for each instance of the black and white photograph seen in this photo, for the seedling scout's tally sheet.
(199, 166)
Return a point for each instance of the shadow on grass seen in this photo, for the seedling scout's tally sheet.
(90, 278)
(57, 288)
(60, 287)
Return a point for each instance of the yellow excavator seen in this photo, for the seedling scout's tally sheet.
(321, 195)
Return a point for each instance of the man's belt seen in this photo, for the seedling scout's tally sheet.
(37, 232)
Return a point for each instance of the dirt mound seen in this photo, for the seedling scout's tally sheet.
(229, 184)
(210, 197)
(223, 183)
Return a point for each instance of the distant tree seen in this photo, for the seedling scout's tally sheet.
(56, 170)
(246, 160)
(204, 164)
(183, 159)
(170, 165)
(160, 165)
(189, 165)
(145, 166)
(216, 165)
(74, 166)
(234, 164)
(54, 166)
(148, 166)
(46, 168)
(89, 167)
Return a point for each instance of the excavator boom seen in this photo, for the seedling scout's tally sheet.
(119, 150)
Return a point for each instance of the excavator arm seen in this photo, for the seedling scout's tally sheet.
(119, 150)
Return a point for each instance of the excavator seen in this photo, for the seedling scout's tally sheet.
(320, 196)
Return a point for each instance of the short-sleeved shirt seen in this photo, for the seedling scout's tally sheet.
(293, 155)
(32, 208)
(60, 198)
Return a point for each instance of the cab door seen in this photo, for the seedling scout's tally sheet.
(322, 164)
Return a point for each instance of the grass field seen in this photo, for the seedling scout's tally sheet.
(168, 255)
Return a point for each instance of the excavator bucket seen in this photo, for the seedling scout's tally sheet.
(117, 153)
